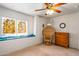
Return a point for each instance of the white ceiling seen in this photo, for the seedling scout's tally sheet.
(28, 8)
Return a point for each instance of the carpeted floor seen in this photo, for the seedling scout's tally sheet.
(42, 50)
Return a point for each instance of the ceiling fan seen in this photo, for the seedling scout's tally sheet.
(51, 6)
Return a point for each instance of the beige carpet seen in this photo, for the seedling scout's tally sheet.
(42, 50)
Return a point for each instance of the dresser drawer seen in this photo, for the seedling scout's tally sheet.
(61, 37)
(62, 40)
(62, 34)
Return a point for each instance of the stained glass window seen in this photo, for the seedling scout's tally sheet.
(8, 25)
(22, 27)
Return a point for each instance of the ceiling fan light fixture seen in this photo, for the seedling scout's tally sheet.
(49, 12)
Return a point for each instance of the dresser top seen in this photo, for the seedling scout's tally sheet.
(62, 32)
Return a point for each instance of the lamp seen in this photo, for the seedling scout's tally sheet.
(49, 12)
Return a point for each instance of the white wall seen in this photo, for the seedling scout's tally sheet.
(17, 44)
(72, 26)
(39, 23)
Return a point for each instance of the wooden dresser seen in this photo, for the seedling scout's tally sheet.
(62, 39)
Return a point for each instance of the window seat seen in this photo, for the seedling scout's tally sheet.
(3, 37)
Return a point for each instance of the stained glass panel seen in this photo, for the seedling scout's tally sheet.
(8, 25)
(21, 27)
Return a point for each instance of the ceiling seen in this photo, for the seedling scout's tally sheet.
(28, 8)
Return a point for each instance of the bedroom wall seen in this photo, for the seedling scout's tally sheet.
(72, 26)
(9, 46)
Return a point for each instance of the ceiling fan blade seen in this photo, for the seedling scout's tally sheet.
(58, 11)
(55, 9)
(58, 4)
(40, 9)
(47, 5)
